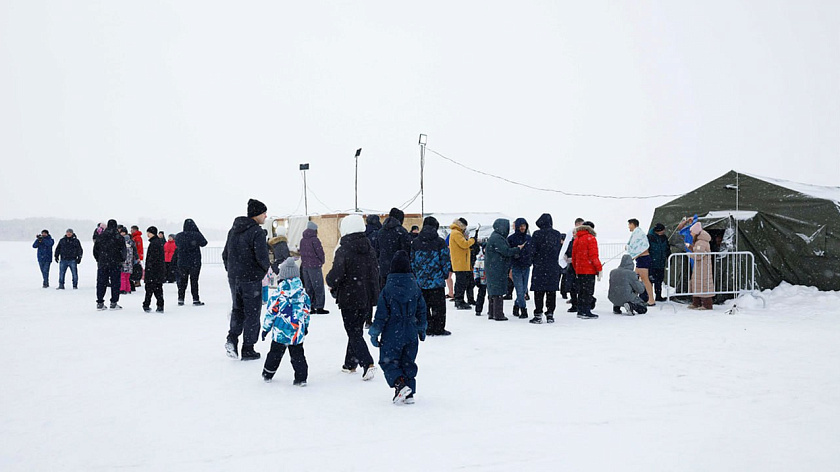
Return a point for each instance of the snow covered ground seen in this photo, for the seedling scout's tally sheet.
(125, 390)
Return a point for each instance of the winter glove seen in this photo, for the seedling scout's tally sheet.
(56, 259)
(374, 341)
(264, 334)
(79, 260)
(374, 336)
(421, 334)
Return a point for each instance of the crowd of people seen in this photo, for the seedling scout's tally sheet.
(385, 279)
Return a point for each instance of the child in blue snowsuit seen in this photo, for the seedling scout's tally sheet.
(400, 321)
(287, 319)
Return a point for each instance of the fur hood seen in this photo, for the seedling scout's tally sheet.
(588, 229)
(277, 239)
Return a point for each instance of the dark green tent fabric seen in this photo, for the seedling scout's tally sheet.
(792, 229)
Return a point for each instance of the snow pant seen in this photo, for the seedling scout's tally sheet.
(188, 274)
(479, 298)
(705, 302)
(357, 352)
(313, 282)
(471, 288)
(586, 291)
(245, 313)
(435, 299)
(108, 277)
(520, 282)
(496, 307)
(275, 355)
(171, 270)
(571, 284)
(45, 270)
(397, 360)
(550, 302)
(137, 274)
(156, 289)
(125, 281)
(74, 272)
(657, 276)
(638, 308)
(462, 283)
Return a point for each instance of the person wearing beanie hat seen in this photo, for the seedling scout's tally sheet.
(431, 264)
(279, 245)
(354, 282)
(414, 231)
(109, 250)
(372, 227)
(660, 250)
(68, 254)
(587, 267)
(459, 252)
(189, 243)
(155, 270)
(287, 320)
(399, 323)
(245, 258)
(392, 238)
(312, 259)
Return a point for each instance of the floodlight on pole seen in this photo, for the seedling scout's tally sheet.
(358, 153)
(303, 168)
(422, 142)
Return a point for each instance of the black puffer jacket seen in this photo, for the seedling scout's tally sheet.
(155, 262)
(246, 254)
(355, 274)
(109, 248)
(69, 249)
(546, 242)
(189, 243)
(392, 238)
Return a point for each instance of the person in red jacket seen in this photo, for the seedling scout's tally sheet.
(587, 266)
(137, 270)
(168, 253)
(137, 236)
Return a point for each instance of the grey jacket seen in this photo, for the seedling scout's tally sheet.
(625, 285)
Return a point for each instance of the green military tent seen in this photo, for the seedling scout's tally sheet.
(792, 229)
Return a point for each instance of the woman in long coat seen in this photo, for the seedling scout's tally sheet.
(498, 254)
(702, 281)
(545, 281)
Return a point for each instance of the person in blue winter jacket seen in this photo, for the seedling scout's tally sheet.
(287, 320)
(520, 270)
(44, 244)
(399, 322)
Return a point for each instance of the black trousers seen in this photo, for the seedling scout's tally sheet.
(275, 355)
(171, 270)
(586, 291)
(496, 307)
(550, 302)
(571, 284)
(435, 299)
(188, 274)
(657, 276)
(479, 298)
(108, 277)
(357, 352)
(245, 313)
(462, 285)
(156, 289)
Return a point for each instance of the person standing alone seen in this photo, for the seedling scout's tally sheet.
(245, 257)
(44, 244)
(189, 243)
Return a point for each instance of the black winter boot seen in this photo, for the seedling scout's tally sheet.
(537, 319)
(549, 317)
(248, 353)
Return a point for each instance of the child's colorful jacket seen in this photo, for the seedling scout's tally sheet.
(287, 312)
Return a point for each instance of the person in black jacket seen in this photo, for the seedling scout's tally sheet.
(392, 238)
(109, 252)
(354, 281)
(372, 227)
(68, 253)
(155, 270)
(545, 279)
(189, 243)
(245, 257)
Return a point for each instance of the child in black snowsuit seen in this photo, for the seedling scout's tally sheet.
(400, 320)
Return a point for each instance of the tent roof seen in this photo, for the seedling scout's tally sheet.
(815, 191)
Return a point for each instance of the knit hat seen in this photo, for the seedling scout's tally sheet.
(659, 227)
(288, 269)
(432, 222)
(696, 228)
(255, 208)
(69, 230)
(172, 236)
(152, 229)
(400, 263)
(460, 224)
(397, 214)
(352, 224)
(311, 225)
(464, 221)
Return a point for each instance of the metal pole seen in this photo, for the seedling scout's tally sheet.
(422, 190)
(357, 183)
(305, 199)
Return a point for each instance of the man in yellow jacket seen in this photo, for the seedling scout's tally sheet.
(459, 251)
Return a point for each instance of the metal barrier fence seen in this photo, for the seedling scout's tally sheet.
(609, 251)
(211, 255)
(710, 273)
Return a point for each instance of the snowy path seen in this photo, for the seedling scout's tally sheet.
(88, 390)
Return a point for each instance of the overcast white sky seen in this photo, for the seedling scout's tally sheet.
(188, 108)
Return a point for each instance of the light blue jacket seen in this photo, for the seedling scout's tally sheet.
(638, 243)
(287, 312)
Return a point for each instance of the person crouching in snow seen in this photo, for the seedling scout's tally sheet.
(400, 320)
(625, 288)
(287, 319)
